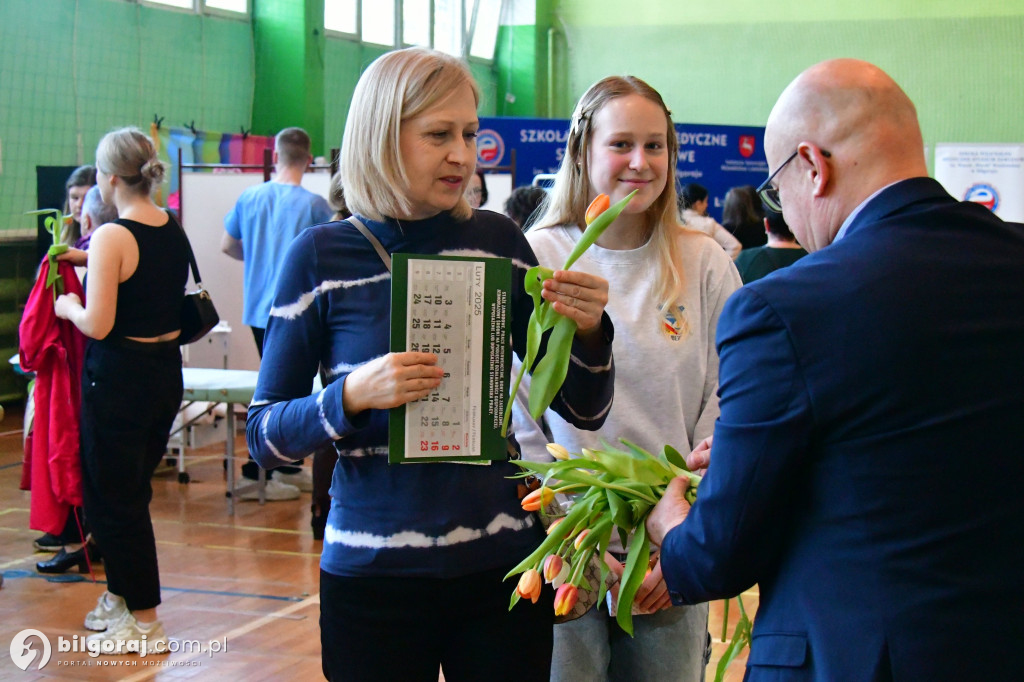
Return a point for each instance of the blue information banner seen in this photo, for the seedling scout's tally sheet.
(717, 156)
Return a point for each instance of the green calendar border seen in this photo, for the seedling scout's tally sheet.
(495, 385)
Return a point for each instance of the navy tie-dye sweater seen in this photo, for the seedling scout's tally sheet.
(332, 308)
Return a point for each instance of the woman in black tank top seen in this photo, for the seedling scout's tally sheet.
(131, 381)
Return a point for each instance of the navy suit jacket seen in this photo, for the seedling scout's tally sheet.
(868, 463)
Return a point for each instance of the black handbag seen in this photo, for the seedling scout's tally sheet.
(198, 315)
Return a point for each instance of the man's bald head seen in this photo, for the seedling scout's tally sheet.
(865, 123)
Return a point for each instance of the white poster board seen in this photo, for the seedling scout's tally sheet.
(205, 199)
(499, 187)
(989, 174)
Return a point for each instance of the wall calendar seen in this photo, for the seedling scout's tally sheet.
(457, 308)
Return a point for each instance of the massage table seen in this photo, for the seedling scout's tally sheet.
(231, 387)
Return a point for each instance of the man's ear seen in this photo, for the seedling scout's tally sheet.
(820, 170)
(765, 221)
(86, 223)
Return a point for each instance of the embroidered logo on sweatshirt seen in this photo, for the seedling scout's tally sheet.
(674, 324)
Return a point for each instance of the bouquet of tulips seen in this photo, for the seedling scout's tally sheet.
(614, 489)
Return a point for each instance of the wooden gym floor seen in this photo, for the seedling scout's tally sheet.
(246, 586)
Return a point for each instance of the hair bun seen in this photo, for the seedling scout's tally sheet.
(153, 170)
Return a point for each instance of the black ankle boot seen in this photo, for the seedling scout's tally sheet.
(64, 560)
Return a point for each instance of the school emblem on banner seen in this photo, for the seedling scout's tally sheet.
(490, 148)
(675, 325)
(747, 146)
(984, 194)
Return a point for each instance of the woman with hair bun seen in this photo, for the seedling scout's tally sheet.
(131, 381)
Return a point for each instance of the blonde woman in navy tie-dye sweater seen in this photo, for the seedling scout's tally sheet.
(413, 557)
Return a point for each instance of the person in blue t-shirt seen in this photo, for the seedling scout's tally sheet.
(258, 231)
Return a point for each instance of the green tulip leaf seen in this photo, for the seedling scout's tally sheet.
(675, 458)
(550, 372)
(632, 577)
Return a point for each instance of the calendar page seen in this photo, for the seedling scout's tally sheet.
(457, 308)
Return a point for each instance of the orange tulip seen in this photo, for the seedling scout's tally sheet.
(553, 524)
(579, 538)
(552, 567)
(599, 205)
(538, 498)
(565, 598)
(529, 585)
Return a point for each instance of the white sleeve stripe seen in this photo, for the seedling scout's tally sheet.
(323, 416)
(292, 310)
(593, 370)
(377, 451)
(270, 446)
(345, 367)
(599, 415)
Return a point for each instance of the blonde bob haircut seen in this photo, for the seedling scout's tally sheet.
(571, 194)
(398, 86)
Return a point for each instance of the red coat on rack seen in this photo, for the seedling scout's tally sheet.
(52, 348)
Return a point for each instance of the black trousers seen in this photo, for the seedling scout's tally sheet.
(407, 628)
(130, 395)
(75, 529)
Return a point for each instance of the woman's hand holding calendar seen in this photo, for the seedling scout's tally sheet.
(391, 380)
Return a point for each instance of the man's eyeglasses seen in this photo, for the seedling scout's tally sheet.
(770, 194)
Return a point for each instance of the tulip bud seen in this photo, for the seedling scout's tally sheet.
(552, 567)
(562, 576)
(540, 497)
(589, 454)
(554, 523)
(529, 585)
(557, 451)
(565, 599)
(580, 538)
(599, 205)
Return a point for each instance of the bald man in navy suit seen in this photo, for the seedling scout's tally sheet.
(868, 461)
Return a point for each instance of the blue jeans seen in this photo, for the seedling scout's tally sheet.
(669, 645)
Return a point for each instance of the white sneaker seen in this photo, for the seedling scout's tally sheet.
(126, 636)
(109, 609)
(275, 491)
(301, 479)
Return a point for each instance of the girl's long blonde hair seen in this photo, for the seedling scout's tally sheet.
(568, 199)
